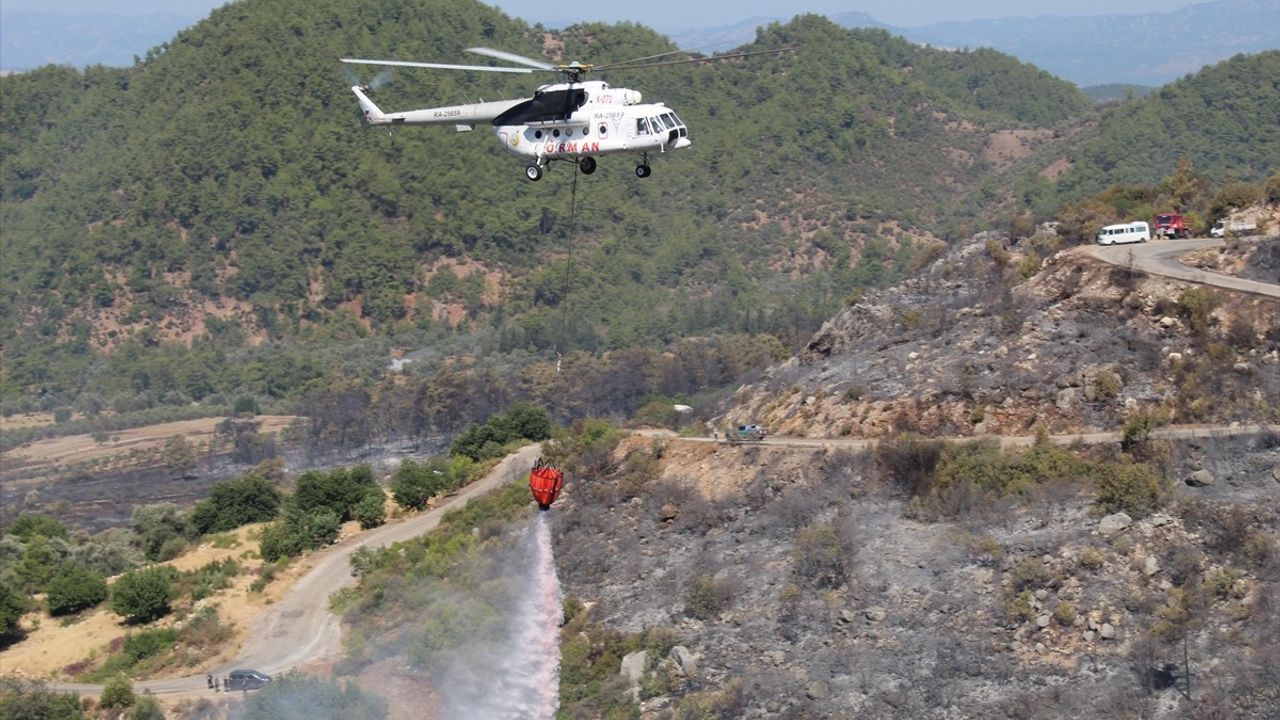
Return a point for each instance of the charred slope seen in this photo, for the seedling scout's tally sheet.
(991, 339)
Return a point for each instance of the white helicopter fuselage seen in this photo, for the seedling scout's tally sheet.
(563, 121)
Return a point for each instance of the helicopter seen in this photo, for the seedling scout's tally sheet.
(574, 121)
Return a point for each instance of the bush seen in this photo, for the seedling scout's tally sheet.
(1132, 488)
(910, 461)
(521, 421)
(143, 595)
(819, 556)
(1065, 614)
(147, 708)
(117, 693)
(247, 499)
(29, 526)
(297, 532)
(1195, 306)
(148, 643)
(163, 530)
(22, 699)
(1029, 574)
(371, 511)
(1091, 558)
(707, 596)
(337, 491)
(415, 484)
(303, 696)
(73, 589)
(12, 606)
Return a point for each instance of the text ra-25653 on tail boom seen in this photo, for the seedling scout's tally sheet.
(574, 121)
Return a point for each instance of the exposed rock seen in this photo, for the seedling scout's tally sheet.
(895, 698)
(1043, 621)
(669, 512)
(686, 664)
(818, 690)
(1167, 322)
(1150, 566)
(657, 703)
(875, 614)
(633, 665)
(1201, 478)
(1112, 524)
(848, 616)
(1108, 631)
(1088, 636)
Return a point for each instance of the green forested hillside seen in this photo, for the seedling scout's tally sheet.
(1223, 119)
(217, 220)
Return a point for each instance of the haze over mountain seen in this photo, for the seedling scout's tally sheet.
(31, 39)
(1146, 49)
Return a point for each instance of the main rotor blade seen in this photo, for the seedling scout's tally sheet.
(441, 66)
(611, 66)
(713, 58)
(511, 57)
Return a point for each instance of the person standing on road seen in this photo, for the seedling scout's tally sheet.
(209, 680)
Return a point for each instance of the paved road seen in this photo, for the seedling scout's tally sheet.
(300, 629)
(1178, 432)
(1160, 257)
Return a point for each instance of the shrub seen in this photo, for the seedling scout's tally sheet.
(416, 483)
(21, 698)
(521, 421)
(1195, 306)
(297, 695)
(819, 556)
(297, 532)
(1029, 574)
(1091, 558)
(147, 643)
(117, 693)
(163, 530)
(1065, 614)
(706, 596)
(910, 461)
(336, 492)
(143, 595)
(29, 526)
(1017, 609)
(12, 606)
(1132, 488)
(231, 503)
(371, 511)
(147, 708)
(73, 589)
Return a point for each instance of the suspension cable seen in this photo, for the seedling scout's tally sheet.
(568, 265)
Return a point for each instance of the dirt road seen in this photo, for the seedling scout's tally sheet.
(1175, 432)
(1160, 257)
(300, 629)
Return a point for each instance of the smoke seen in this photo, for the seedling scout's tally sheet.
(516, 676)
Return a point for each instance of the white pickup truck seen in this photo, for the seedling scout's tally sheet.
(1235, 227)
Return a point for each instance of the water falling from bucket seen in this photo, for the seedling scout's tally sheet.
(523, 682)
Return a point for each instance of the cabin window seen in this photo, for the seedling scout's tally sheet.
(604, 130)
(556, 133)
(569, 132)
(586, 130)
(537, 134)
(642, 126)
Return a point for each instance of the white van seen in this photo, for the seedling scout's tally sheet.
(1127, 233)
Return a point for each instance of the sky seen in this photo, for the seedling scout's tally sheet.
(668, 15)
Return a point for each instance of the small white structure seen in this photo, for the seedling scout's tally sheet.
(1133, 232)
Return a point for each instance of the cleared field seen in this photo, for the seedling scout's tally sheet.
(74, 449)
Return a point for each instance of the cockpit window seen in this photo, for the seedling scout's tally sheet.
(657, 123)
(670, 118)
(642, 126)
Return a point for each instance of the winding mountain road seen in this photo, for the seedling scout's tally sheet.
(1160, 257)
(300, 629)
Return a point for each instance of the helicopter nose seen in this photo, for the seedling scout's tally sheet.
(683, 142)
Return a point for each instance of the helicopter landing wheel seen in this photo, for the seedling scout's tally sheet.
(642, 171)
(587, 165)
(533, 172)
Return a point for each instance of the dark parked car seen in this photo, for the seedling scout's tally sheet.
(247, 680)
